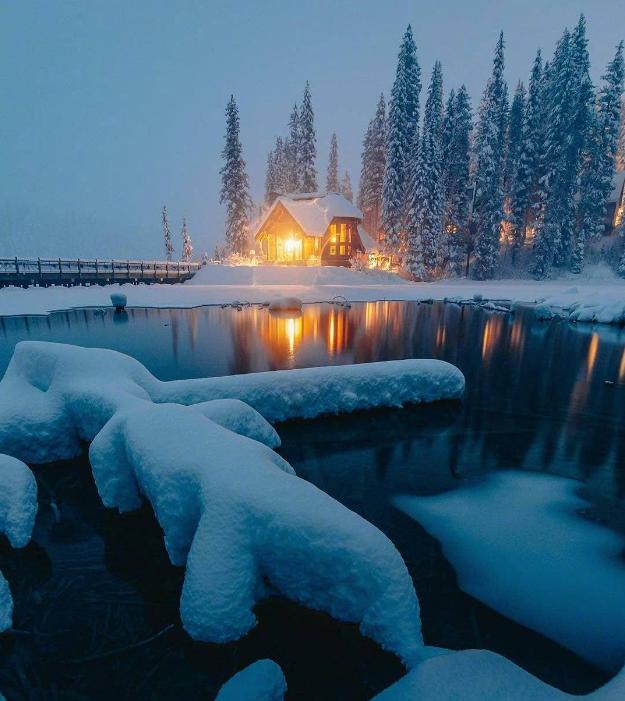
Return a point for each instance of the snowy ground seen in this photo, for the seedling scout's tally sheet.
(216, 284)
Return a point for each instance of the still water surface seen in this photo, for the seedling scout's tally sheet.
(93, 582)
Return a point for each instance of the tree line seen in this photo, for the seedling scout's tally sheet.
(441, 187)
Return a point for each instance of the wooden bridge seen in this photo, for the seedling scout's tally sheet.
(24, 272)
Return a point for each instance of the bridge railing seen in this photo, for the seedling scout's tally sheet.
(52, 270)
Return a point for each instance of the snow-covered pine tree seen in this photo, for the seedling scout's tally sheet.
(169, 246)
(372, 173)
(187, 244)
(280, 166)
(514, 137)
(345, 187)
(307, 144)
(525, 183)
(620, 154)
(332, 179)
(600, 163)
(557, 214)
(427, 204)
(456, 159)
(235, 184)
(401, 138)
(490, 158)
(293, 153)
(270, 181)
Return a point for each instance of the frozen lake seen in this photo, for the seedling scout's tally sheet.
(94, 582)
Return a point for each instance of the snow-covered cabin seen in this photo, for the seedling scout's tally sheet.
(308, 229)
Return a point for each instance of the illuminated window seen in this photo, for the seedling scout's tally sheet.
(342, 249)
(332, 250)
(316, 245)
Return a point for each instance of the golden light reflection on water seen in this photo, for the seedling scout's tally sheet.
(592, 354)
(621, 370)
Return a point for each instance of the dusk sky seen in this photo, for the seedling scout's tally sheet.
(114, 108)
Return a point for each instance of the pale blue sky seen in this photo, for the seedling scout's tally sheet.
(113, 108)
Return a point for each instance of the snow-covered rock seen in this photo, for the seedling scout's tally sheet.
(18, 501)
(261, 681)
(519, 544)
(233, 509)
(55, 395)
(285, 304)
(6, 605)
(239, 417)
(543, 312)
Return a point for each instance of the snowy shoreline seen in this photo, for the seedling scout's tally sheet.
(216, 285)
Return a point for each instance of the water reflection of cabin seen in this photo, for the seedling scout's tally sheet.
(310, 229)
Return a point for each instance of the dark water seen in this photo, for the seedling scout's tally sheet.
(92, 583)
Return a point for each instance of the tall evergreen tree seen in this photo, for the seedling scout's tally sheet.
(187, 244)
(346, 187)
(402, 137)
(373, 167)
(456, 158)
(235, 184)
(270, 181)
(515, 137)
(169, 246)
(293, 152)
(620, 154)
(557, 215)
(598, 170)
(332, 180)
(525, 183)
(280, 166)
(307, 144)
(490, 159)
(427, 206)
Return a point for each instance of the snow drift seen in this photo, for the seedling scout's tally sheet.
(518, 544)
(18, 508)
(230, 508)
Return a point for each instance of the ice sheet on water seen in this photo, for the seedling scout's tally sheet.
(519, 544)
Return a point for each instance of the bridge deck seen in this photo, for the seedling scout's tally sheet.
(24, 272)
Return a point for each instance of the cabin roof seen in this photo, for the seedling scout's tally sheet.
(313, 211)
(371, 246)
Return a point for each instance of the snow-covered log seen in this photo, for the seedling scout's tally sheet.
(233, 510)
(55, 395)
(261, 681)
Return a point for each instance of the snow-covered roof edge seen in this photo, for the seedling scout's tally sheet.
(314, 212)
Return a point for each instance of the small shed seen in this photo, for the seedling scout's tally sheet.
(310, 229)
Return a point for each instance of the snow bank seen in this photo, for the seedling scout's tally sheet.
(230, 508)
(518, 543)
(53, 396)
(261, 681)
(607, 307)
(480, 675)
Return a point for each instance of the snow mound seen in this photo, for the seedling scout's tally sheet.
(18, 501)
(233, 510)
(261, 681)
(6, 606)
(480, 675)
(285, 304)
(308, 276)
(543, 312)
(605, 308)
(53, 396)
(230, 508)
(518, 544)
(18, 508)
